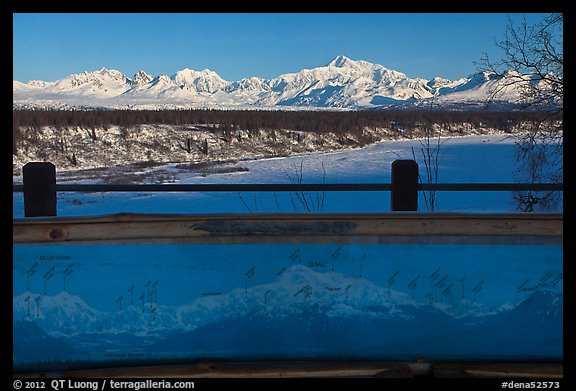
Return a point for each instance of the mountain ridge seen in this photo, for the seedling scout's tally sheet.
(343, 83)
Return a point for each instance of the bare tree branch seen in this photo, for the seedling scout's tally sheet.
(533, 64)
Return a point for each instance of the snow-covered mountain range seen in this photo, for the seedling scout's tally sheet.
(341, 84)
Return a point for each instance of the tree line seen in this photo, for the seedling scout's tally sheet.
(306, 121)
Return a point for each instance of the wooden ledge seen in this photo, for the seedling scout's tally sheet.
(505, 228)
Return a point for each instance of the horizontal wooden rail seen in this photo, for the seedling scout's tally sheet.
(283, 187)
(294, 228)
(40, 187)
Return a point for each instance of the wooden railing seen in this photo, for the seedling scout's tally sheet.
(40, 187)
(40, 198)
(290, 228)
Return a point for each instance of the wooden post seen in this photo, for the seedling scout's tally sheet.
(404, 196)
(39, 180)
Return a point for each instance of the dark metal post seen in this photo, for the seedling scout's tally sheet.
(404, 194)
(39, 180)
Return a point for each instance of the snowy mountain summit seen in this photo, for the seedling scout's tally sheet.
(140, 78)
(341, 84)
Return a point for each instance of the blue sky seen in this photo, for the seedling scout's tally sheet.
(52, 46)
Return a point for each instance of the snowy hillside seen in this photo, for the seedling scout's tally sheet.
(341, 84)
(82, 147)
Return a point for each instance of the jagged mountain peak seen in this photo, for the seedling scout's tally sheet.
(438, 82)
(199, 81)
(346, 64)
(340, 61)
(113, 73)
(38, 83)
(102, 72)
(141, 77)
(162, 78)
(483, 76)
(194, 74)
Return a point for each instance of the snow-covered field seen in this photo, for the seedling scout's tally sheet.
(81, 303)
(475, 159)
